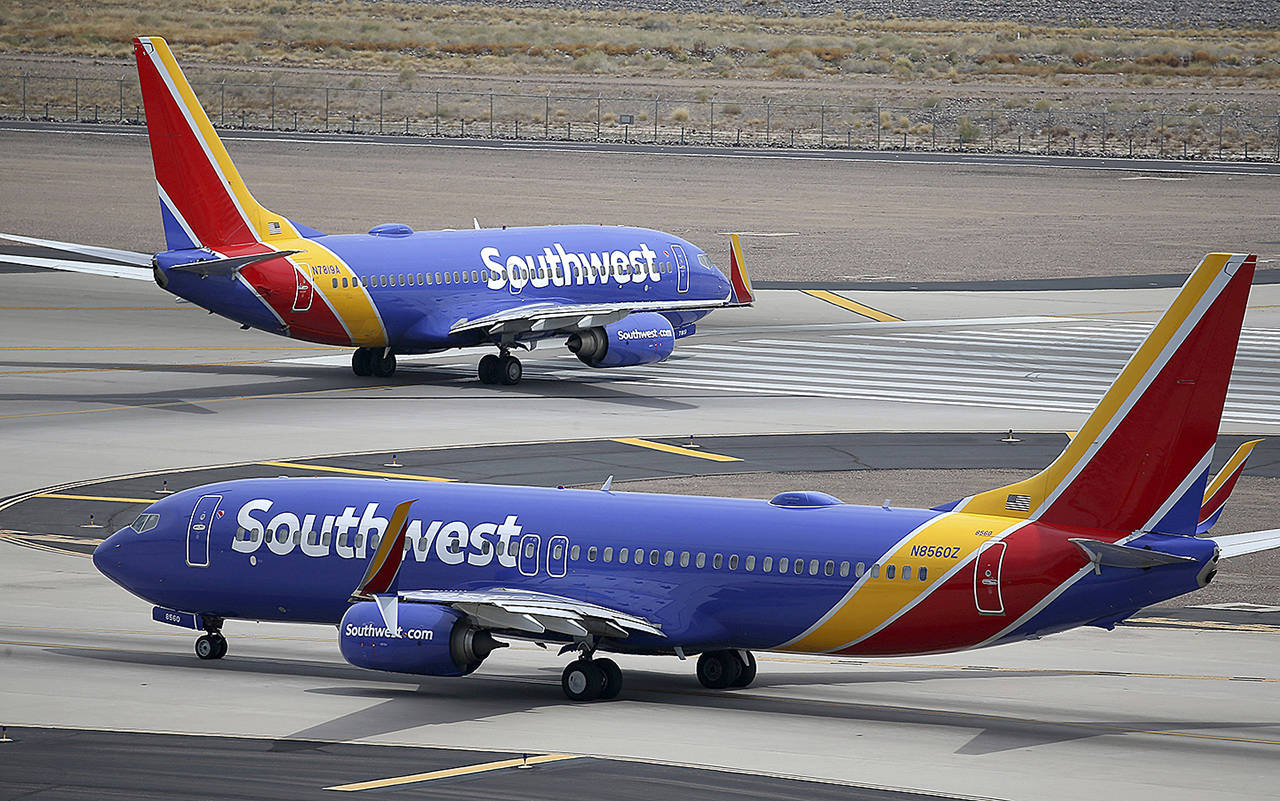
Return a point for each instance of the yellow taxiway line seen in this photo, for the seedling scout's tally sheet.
(64, 496)
(676, 449)
(352, 471)
(450, 773)
(851, 305)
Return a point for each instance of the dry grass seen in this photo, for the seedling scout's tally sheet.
(409, 38)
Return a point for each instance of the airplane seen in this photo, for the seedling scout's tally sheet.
(430, 579)
(618, 296)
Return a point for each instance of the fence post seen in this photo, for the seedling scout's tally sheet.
(406, 125)
(242, 119)
(24, 95)
(121, 82)
(223, 112)
(1104, 133)
(655, 120)
(877, 124)
(326, 109)
(768, 119)
(273, 106)
(1278, 137)
(1162, 134)
(992, 132)
(95, 122)
(713, 122)
(1219, 134)
(933, 127)
(822, 124)
(380, 117)
(597, 118)
(546, 118)
(490, 113)
(295, 120)
(437, 112)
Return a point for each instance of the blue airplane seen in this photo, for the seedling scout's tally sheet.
(618, 296)
(429, 579)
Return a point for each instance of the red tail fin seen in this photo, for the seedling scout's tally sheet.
(203, 199)
(1150, 438)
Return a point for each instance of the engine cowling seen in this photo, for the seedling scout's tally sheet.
(643, 338)
(434, 640)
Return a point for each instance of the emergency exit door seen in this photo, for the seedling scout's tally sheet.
(986, 579)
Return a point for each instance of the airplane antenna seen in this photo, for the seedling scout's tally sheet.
(476, 222)
(608, 482)
(885, 505)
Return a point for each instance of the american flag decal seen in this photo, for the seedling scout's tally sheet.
(1018, 503)
(273, 227)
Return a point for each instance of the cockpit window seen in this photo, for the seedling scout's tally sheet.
(704, 261)
(145, 522)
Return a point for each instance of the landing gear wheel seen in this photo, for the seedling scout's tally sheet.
(582, 680)
(612, 678)
(383, 366)
(211, 646)
(510, 370)
(747, 661)
(362, 362)
(718, 670)
(490, 369)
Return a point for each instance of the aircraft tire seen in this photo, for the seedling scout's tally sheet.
(718, 670)
(222, 645)
(360, 362)
(747, 661)
(383, 366)
(582, 680)
(207, 647)
(490, 366)
(612, 678)
(510, 370)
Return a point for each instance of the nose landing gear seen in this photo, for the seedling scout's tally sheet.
(212, 645)
(503, 369)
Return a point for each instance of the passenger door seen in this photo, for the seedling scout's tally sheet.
(986, 579)
(682, 269)
(557, 556)
(303, 291)
(198, 530)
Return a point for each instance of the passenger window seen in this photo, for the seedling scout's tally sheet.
(402, 280)
(701, 561)
(344, 284)
(829, 568)
(528, 549)
(889, 570)
(906, 572)
(591, 554)
(456, 279)
(622, 555)
(669, 558)
(283, 536)
(607, 556)
(448, 278)
(924, 573)
(484, 275)
(638, 556)
(844, 570)
(717, 561)
(419, 279)
(438, 278)
(653, 557)
(813, 567)
(784, 564)
(556, 552)
(875, 571)
(859, 569)
(475, 277)
(428, 279)
(798, 566)
(684, 558)
(767, 564)
(335, 283)
(749, 563)
(733, 562)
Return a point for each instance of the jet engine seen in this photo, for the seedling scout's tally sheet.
(643, 338)
(434, 640)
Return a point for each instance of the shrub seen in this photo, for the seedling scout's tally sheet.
(1043, 104)
(680, 115)
(1083, 58)
(968, 131)
(731, 109)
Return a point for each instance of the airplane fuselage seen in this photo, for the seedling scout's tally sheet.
(815, 576)
(402, 289)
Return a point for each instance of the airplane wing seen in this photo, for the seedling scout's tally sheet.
(533, 613)
(546, 316)
(135, 266)
(1232, 545)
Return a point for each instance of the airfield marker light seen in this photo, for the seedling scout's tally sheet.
(91, 524)
(691, 443)
(164, 487)
(524, 763)
(394, 462)
(1010, 438)
(4, 735)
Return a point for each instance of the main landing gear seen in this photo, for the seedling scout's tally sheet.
(722, 670)
(212, 645)
(503, 369)
(588, 679)
(379, 362)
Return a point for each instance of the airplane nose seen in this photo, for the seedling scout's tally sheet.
(106, 557)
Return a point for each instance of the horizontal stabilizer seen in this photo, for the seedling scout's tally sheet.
(1240, 544)
(126, 256)
(1112, 555)
(1219, 489)
(86, 267)
(231, 265)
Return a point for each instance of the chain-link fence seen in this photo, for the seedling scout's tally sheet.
(719, 122)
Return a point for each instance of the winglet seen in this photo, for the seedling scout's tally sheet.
(1222, 485)
(1135, 462)
(739, 281)
(384, 565)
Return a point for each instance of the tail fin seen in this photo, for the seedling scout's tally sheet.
(1220, 488)
(1135, 462)
(203, 200)
(739, 281)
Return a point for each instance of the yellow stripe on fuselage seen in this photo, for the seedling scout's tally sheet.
(352, 303)
(1044, 483)
(873, 602)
